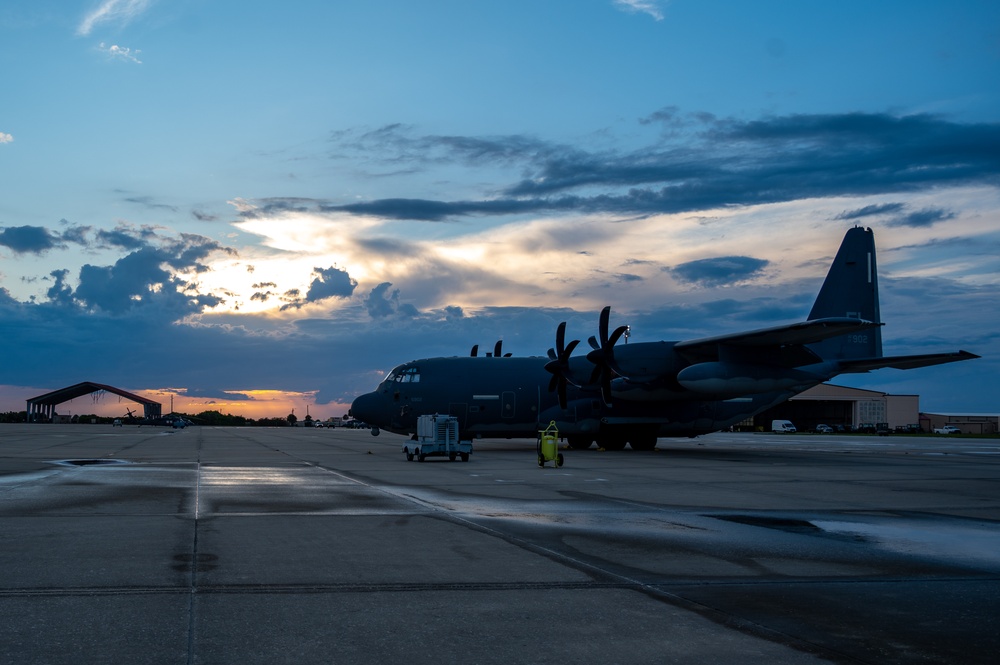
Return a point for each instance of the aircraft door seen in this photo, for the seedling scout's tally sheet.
(461, 411)
(507, 404)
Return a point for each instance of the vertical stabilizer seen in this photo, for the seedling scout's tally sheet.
(851, 290)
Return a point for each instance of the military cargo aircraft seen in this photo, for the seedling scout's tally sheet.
(634, 393)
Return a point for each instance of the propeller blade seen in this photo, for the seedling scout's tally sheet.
(558, 364)
(475, 350)
(497, 350)
(603, 355)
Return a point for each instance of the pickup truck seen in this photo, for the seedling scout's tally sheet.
(947, 429)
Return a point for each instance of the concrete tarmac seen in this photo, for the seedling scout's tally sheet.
(294, 545)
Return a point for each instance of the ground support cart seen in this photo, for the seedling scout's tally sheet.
(437, 435)
(548, 446)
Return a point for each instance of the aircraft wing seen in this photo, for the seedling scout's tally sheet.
(797, 334)
(904, 362)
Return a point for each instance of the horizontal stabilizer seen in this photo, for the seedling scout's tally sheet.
(806, 332)
(904, 362)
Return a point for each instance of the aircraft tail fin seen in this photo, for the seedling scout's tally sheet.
(851, 290)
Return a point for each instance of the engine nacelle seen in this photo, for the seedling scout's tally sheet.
(734, 379)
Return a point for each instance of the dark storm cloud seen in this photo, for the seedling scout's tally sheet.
(382, 303)
(330, 283)
(123, 237)
(28, 239)
(702, 162)
(140, 280)
(60, 293)
(719, 271)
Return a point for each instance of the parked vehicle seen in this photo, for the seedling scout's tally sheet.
(823, 429)
(947, 429)
(783, 427)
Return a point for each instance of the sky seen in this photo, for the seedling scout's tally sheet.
(259, 208)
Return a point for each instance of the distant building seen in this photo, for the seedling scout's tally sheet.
(828, 404)
(969, 423)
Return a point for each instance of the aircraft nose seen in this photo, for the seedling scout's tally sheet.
(366, 408)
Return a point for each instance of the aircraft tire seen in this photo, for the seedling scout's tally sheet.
(465, 457)
(409, 457)
(452, 457)
(643, 442)
(579, 442)
(612, 442)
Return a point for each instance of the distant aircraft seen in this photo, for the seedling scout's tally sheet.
(169, 420)
(634, 393)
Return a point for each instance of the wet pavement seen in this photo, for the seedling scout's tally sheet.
(293, 545)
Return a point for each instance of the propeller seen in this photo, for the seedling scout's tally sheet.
(558, 364)
(603, 355)
(497, 350)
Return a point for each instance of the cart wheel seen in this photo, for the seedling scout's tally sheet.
(541, 461)
(465, 457)
(559, 459)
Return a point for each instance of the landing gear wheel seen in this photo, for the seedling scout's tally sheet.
(579, 442)
(643, 442)
(421, 457)
(409, 457)
(465, 457)
(452, 456)
(612, 443)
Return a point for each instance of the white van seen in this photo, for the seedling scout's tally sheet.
(782, 426)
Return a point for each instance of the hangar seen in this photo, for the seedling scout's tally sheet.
(834, 405)
(43, 407)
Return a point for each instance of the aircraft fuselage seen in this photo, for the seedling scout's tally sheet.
(510, 398)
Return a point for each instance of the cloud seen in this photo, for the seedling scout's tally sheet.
(869, 211)
(719, 271)
(921, 218)
(122, 12)
(120, 53)
(28, 239)
(5, 138)
(145, 279)
(382, 303)
(330, 283)
(652, 7)
(699, 163)
(896, 214)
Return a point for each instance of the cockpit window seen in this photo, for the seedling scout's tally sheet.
(407, 375)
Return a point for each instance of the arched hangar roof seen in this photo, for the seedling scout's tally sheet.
(45, 402)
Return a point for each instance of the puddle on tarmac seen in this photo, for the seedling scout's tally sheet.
(964, 543)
